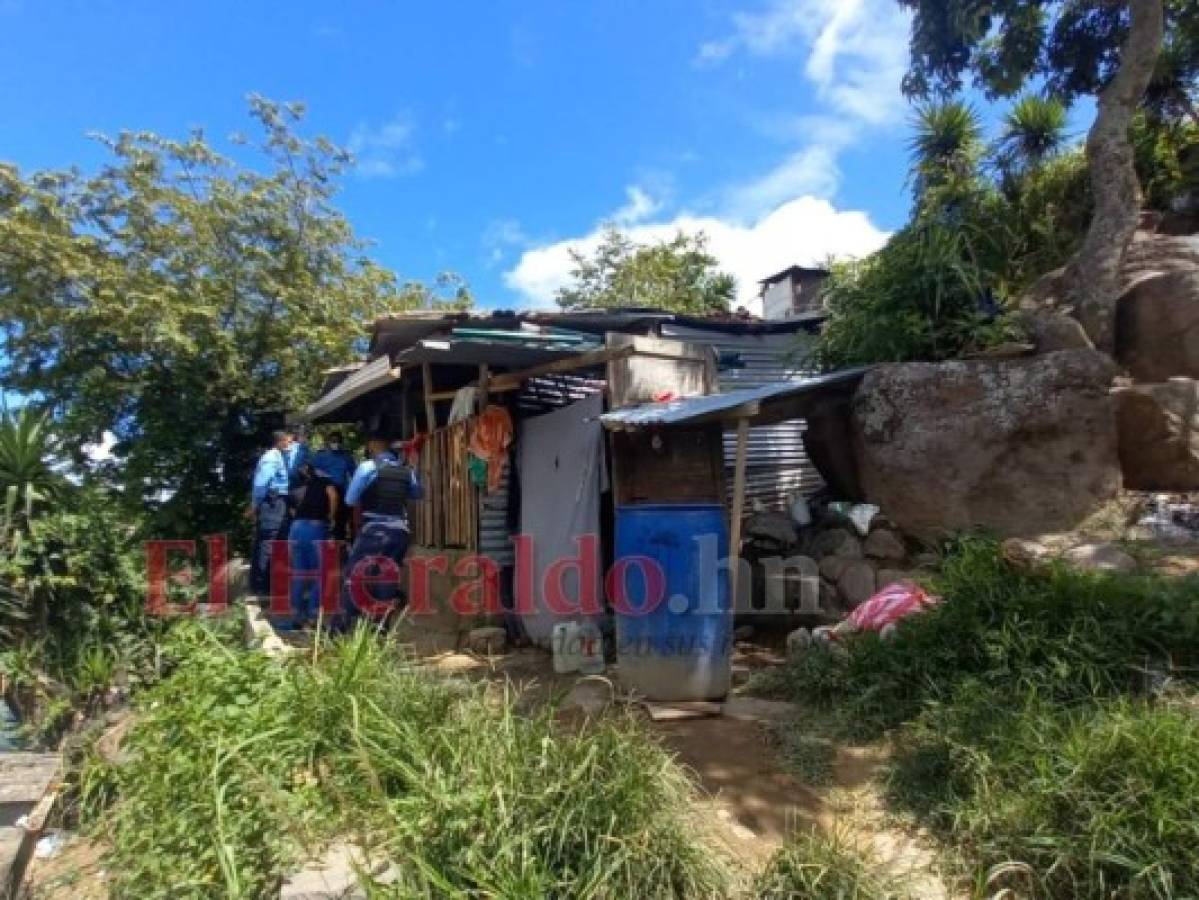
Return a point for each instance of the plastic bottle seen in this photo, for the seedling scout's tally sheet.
(565, 644)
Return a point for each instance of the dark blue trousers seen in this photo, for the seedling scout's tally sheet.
(272, 524)
(379, 539)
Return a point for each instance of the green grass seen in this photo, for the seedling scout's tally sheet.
(815, 865)
(1036, 724)
(242, 766)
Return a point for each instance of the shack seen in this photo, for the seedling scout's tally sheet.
(517, 462)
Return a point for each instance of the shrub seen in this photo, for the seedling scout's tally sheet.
(241, 766)
(1070, 635)
(922, 297)
(815, 865)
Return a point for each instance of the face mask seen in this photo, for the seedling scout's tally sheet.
(334, 445)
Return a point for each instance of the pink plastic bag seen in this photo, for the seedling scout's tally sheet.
(888, 606)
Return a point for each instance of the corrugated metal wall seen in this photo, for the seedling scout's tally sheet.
(777, 463)
(495, 539)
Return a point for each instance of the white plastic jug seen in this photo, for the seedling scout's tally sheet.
(566, 647)
(591, 648)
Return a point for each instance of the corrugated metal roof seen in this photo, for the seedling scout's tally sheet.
(469, 352)
(747, 403)
(375, 374)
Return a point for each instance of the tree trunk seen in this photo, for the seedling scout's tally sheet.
(1094, 274)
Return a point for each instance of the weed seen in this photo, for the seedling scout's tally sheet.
(1033, 726)
(818, 865)
(241, 767)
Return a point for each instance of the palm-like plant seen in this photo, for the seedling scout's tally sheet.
(946, 144)
(1034, 130)
(27, 451)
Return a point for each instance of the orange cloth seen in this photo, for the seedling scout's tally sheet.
(490, 435)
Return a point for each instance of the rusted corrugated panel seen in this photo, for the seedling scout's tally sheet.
(776, 463)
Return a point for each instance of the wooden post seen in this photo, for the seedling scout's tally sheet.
(426, 374)
(484, 385)
(738, 508)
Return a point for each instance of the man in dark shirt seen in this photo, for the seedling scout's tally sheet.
(314, 510)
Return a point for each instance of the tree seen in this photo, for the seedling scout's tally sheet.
(449, 291)
(677, 275)
(1108, 49)
(182, 301)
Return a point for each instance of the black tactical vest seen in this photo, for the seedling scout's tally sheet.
(389, 493)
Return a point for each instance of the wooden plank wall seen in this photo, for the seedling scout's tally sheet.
(449, 514)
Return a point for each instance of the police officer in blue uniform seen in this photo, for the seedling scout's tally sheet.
(379, 494)
(269, 508)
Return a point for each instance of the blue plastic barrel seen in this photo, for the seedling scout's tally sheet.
(670, 593)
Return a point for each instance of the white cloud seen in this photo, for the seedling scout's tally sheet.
(501, 236)
(853, 53)
(804, 230)
(639, 207)
(387, 150)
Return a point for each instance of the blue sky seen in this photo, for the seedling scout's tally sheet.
(492, 137)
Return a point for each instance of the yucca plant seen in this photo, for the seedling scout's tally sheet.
(946, 145)
(1034, 130)
(27, 451)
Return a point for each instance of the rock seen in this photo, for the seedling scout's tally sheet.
(1024, 554)
(1050, 331)
(1006, 350)
(927, 560)
(487, 641)
(798, 641)
(1017, 447)
(1159, 435)
(1099, 558)
(830, 599)
(743, 633)
(774, 527)
(1046, 294)
(831, 567)
(837, 542)
(1157, 327)
(857, 583)
(332, 876)
(888, 577)
(589, 695)
(885, 544)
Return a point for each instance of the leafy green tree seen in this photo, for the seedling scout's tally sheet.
(449, 292)
(180, 299)
(677, 275)
(1109, 50)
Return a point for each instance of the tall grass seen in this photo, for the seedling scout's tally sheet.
(242, 767)
(817, 865)
(1070, 635)
(1037, 724)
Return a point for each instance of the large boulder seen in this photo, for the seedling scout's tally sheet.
(1050, 331)
(1159, 435)
(1157, 314)
(1157, 327)
(1020, 447)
